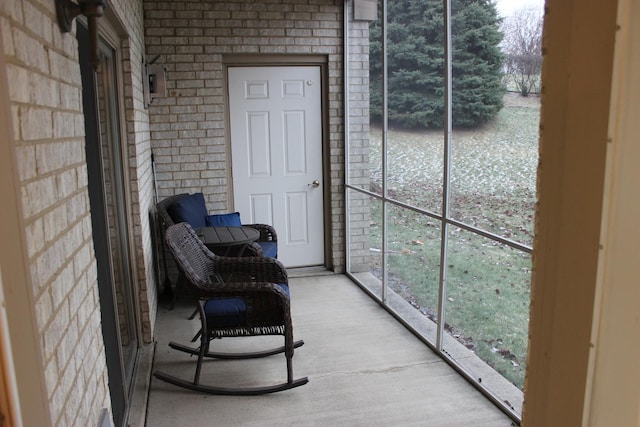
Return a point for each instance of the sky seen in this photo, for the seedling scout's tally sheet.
(506, 7)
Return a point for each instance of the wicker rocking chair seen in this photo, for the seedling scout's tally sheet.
(266, 245)
(238, 297)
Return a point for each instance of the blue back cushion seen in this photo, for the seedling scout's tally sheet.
(190, 209)
(220, 220)
(269, 249)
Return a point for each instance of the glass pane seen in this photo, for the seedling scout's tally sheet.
(365, 240)
(114, 194)
(415, 88)
(375, 159)
(493, 171)
(413, 247)
(415, 160)
(494, 151)
(487, 311)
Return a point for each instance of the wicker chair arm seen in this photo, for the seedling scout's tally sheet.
(267, 232)
(260, 269)
(253, 250)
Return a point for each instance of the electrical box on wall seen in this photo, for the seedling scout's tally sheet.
(154, 81)
(157, 81)
(365, 10)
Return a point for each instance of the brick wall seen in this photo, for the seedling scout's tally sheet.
(188, 127)
(358, 157)
(48, 127)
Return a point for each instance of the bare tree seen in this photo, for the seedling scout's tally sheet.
(522, 45)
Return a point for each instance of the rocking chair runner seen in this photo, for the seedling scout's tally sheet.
(238, 297)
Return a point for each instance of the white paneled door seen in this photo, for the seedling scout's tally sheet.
(276, 146)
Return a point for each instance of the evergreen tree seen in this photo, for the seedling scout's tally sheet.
(415, 52)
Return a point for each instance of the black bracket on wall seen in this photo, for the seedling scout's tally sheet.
(67, 11)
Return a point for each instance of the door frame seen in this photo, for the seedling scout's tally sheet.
(121, 386)
(112, 31)
(322, 61)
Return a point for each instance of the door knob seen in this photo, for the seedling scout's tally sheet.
(314, 184)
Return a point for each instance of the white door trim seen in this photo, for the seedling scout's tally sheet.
(322, 61)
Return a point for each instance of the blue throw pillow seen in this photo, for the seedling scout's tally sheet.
(222, 220)
(190, 209)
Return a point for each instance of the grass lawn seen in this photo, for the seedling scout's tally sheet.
(493, 172)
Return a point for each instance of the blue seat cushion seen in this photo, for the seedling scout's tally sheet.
(230, 220)
(269, 249)
(190, 209)
(229, 312)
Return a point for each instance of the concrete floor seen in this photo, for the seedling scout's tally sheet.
(364, 368)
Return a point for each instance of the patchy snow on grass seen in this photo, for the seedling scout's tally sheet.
(492, 187)
(492, 169)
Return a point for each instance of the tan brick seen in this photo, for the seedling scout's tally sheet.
(61, 127)
(12, 9)
(38, 22)
(35, 123)
(30, 51)
(26, 157)
(70, 97)
(7, 37)
(37, 195)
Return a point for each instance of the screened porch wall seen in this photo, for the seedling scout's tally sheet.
(401, 234)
